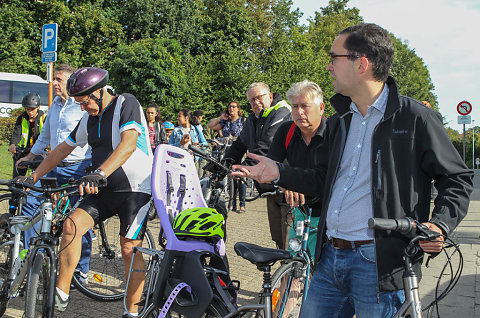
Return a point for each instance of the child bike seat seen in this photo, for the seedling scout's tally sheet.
(176, 187)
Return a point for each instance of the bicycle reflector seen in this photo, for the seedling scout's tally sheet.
(275, 298)
(98, 278)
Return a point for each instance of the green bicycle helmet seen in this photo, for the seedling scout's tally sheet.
(203, 223)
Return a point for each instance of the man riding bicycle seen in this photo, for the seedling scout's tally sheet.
(115, 128)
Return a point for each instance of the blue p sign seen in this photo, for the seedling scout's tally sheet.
(49, 37)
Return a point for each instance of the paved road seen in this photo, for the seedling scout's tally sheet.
(464, 301)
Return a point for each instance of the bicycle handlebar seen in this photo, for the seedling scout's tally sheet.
(264, 194)
(33, 163)
(17, 186)
(405, 226)
(226, 142)
(209, 158)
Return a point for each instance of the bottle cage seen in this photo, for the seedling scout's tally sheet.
(176, 187)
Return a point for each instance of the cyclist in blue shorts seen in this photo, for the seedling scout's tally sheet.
(116, 130)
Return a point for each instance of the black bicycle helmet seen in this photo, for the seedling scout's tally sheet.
(31, 100)
(86, 80)
(200, 223)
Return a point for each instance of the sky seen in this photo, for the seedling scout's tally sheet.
(444, 33)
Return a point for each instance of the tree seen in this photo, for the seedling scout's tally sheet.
(411, 74)
(20, 48)
(152, 70)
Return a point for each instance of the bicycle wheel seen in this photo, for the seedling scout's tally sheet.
(287, 302)
(36, 300)
(251, 190)
(228, 193)
(5, 236)
(106, 278)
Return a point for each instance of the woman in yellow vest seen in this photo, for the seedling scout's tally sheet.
(27, 128)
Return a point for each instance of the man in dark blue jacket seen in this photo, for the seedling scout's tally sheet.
(269, 112)
(381, 152)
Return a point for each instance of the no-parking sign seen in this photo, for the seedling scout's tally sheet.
(464, 108)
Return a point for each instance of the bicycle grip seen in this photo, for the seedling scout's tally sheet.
(5, 182)
(197, 150)
(405, 225)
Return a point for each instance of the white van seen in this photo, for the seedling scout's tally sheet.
(13, 87)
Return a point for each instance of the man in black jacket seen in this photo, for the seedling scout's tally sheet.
(382, 150)
(269, 112)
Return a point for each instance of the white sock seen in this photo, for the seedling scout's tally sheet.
(133, 314)
(62, 294)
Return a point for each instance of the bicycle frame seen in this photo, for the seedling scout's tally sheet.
(303, 256)
(412, 307)
(44, 241)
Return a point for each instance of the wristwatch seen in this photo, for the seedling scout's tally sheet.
(100, 172)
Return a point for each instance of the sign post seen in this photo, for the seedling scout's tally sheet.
(464, 108)
(49, 54)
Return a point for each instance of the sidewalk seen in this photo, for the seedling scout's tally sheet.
(463, 301)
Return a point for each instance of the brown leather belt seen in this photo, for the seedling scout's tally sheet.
(341, 244)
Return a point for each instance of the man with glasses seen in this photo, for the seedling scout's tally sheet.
(381, 152)
(269, 112)
(63, 116)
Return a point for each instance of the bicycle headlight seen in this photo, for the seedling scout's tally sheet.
(295, 244)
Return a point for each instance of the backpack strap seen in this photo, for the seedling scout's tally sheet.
(291, 130)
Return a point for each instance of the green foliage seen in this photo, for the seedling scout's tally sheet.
(411, 74)
(7, 124)
(6, 161)
(151, 70)
(197, 54)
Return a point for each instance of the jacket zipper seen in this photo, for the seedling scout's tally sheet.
(378, 161)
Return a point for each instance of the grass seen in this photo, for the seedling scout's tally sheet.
(6, 161)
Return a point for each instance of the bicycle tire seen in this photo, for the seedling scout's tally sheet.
(5, 236)
(106, 278)
(229, 193)
(251, 192)
(37, 289)
(291, 308)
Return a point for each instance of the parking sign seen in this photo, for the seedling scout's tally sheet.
(49, 37)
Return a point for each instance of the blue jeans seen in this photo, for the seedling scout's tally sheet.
(241, 188)
(63, 174)
(345, 283)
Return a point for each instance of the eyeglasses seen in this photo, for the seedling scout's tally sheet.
(333, 56)
(85, 103)
(257, 98)
(232, 106)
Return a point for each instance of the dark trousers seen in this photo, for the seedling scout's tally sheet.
(280, 219)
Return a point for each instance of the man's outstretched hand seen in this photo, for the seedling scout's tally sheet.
(265, 171)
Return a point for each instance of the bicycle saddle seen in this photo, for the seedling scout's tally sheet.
(260, 255)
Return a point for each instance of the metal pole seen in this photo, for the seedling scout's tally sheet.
(473, 144)
(464, 143)
(50, 83)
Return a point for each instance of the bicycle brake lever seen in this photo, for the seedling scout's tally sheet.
(431, 256)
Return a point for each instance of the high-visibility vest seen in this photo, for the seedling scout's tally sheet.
(26, 129)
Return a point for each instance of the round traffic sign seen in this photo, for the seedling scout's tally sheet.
(464, 108)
